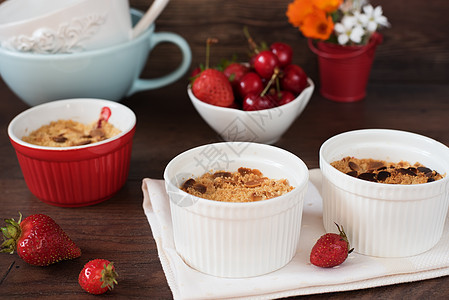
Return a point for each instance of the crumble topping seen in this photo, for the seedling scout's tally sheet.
(386, 172)
(244, 185)
(67, 133)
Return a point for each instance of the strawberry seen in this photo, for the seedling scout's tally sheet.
(213, 87)
(331, 249)
(98, 276)
(38, 240)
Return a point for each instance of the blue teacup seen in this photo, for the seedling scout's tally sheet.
(110, 73)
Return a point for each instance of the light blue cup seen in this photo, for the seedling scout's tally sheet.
(111, 73)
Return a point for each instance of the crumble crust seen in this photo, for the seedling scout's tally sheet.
(244, 185)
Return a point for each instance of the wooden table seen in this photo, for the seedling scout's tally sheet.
(405, 92)
(118, 230)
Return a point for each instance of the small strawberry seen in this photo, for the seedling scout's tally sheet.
(211, 85)
(331, 249)
(214, 88)
(98, 276)
(38, 240)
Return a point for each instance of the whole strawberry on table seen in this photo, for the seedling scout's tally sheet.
(331, 249)
(269, 79)
(38, 240)
(98, 276)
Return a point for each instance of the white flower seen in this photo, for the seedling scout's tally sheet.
(371, 18)
(349, 30)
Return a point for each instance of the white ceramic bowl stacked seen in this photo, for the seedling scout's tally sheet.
(261, 126)
(54, 26)
(385, 220)
(228, 239)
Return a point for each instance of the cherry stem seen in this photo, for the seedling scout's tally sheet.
(251, 42)
(273, 77)
(278, 87)
(209, 42)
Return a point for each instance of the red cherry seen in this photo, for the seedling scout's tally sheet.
(235, 72)
(283, 52)
(265, 62)
(250, 83)
(285, 97)
(294, 79)
(195, 72)
(254, 101)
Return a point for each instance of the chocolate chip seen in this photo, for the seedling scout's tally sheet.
(430, 179)
(188, 183)
(425, 170)
(406, 172)
(382, 168)
(222, 174)
(59, 139)
(86, 142)
(352, 173)
(354, 166)
(200, 188)
(413, 169)
(254, 183)
(368, 177)
(373, 165)
(383, 175)
(97, 132)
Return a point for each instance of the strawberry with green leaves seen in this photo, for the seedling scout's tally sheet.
(211, 85)
(98, 276)
(331, 249)
(38, 240)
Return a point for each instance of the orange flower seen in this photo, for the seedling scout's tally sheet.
(298, 10)
(328, 6)
(317, 25)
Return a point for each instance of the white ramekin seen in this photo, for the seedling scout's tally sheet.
(385, 220)
(228, 239)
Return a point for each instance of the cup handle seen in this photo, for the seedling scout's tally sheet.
(154, 83)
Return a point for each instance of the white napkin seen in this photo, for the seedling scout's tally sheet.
(299, 277)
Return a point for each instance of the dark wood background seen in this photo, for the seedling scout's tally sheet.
(408, 90)
(415, 47)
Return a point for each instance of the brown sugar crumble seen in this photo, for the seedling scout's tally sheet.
(68, 133)
(386, 172)
(244, 185)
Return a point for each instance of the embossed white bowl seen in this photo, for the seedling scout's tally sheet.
(262, 126)
(55, 26)
(385, 220)
(229, 239)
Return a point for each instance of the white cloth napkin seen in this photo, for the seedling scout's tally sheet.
(299, 277)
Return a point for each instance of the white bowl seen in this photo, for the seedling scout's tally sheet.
(55, 26)
(262, 126)
(229, 239)
(385, 220)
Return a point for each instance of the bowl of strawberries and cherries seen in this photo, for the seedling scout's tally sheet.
(253, 101)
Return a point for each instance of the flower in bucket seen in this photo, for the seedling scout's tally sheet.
(344, 22)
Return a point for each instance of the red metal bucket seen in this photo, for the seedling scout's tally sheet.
(344, 70)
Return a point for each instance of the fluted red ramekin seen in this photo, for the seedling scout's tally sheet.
(80, 175)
